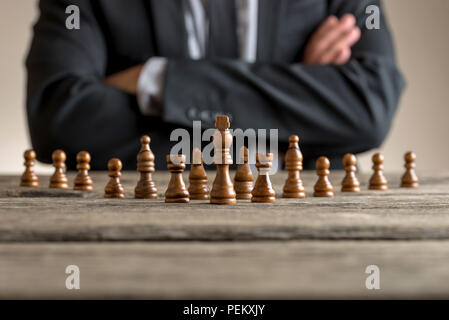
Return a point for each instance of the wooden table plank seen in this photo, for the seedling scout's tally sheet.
(58, 215)
(228, 270)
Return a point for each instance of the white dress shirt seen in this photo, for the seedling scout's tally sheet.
(151, 79)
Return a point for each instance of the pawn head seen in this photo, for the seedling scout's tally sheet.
(197, 156)
(293, 138)
(83, 157)
(323, 163)
(378, 158)
(29, 154)
(115, 164)
(145, 140)
(58, 156)
(176, 159)
(349, 160)
(264, 157)
(410, 157)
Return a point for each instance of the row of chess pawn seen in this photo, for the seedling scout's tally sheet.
(243, 186)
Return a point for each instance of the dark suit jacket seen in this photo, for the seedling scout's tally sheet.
(334, 109)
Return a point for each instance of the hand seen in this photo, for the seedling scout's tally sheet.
(125, 80)
(332, 41)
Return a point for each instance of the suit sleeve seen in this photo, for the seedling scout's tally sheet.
(337, 109)
(68, 104)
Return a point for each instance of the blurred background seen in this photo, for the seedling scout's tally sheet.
(420, 32)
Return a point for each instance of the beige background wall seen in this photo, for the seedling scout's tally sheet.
(420, 29)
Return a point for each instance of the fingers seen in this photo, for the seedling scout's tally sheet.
(345, 25)
(343, 56)
(332, 41)
(345, 41)
(325, 27)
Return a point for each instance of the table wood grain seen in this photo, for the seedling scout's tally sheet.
(309, 248)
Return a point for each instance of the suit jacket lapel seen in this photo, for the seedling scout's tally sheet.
(169, 28)
(269, 17)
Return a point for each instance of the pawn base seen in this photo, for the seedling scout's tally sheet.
(413, 185)
(177, 200)
(350, 189)
(294, 195)
(59, 186)
(378, 187)
(263, 199)
(145, 196)
(323, 194)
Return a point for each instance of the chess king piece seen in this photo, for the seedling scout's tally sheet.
(222, 188)
(59, 179)
(176, 190)
(29, 177)
(378, 180)
(323, 187)
(82, 180)
(263, 191)
(350, 182)
(198, 183)
(243, 179)
(294, 187)
(145, 188)
(410, 179)
(114, 188)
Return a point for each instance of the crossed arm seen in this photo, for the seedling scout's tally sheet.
(340, 98)
(330, 44)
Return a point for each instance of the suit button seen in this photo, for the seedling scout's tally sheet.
(192, 114)
(206, 116)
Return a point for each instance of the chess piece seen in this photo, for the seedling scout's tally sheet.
(114, 188)
(198, 184)
(244, 179)
(410, 179)
(222, 188)
(378, 180)
(176, 190)
(29, 177)
(263, 191)
(145, 188)
(59, 179)
(350, 182)
(294, 187)
(323, 187)
(82, 180)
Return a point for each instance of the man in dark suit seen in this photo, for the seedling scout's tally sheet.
(306, 67)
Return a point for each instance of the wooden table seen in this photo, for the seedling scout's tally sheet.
(310, 248)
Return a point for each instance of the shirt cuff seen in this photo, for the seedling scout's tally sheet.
(150, 86)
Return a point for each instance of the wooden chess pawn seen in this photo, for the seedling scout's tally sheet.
(198, 183)
(378, 180)
(294, 187)
(114, 188)
(222, 189)
(146, 188)
(176, 190)
(263, 191)
(410, 179)
(350, 182)
(243, 179)
(82, 180)
(29, 177)
(323, 187)
(59, 179)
